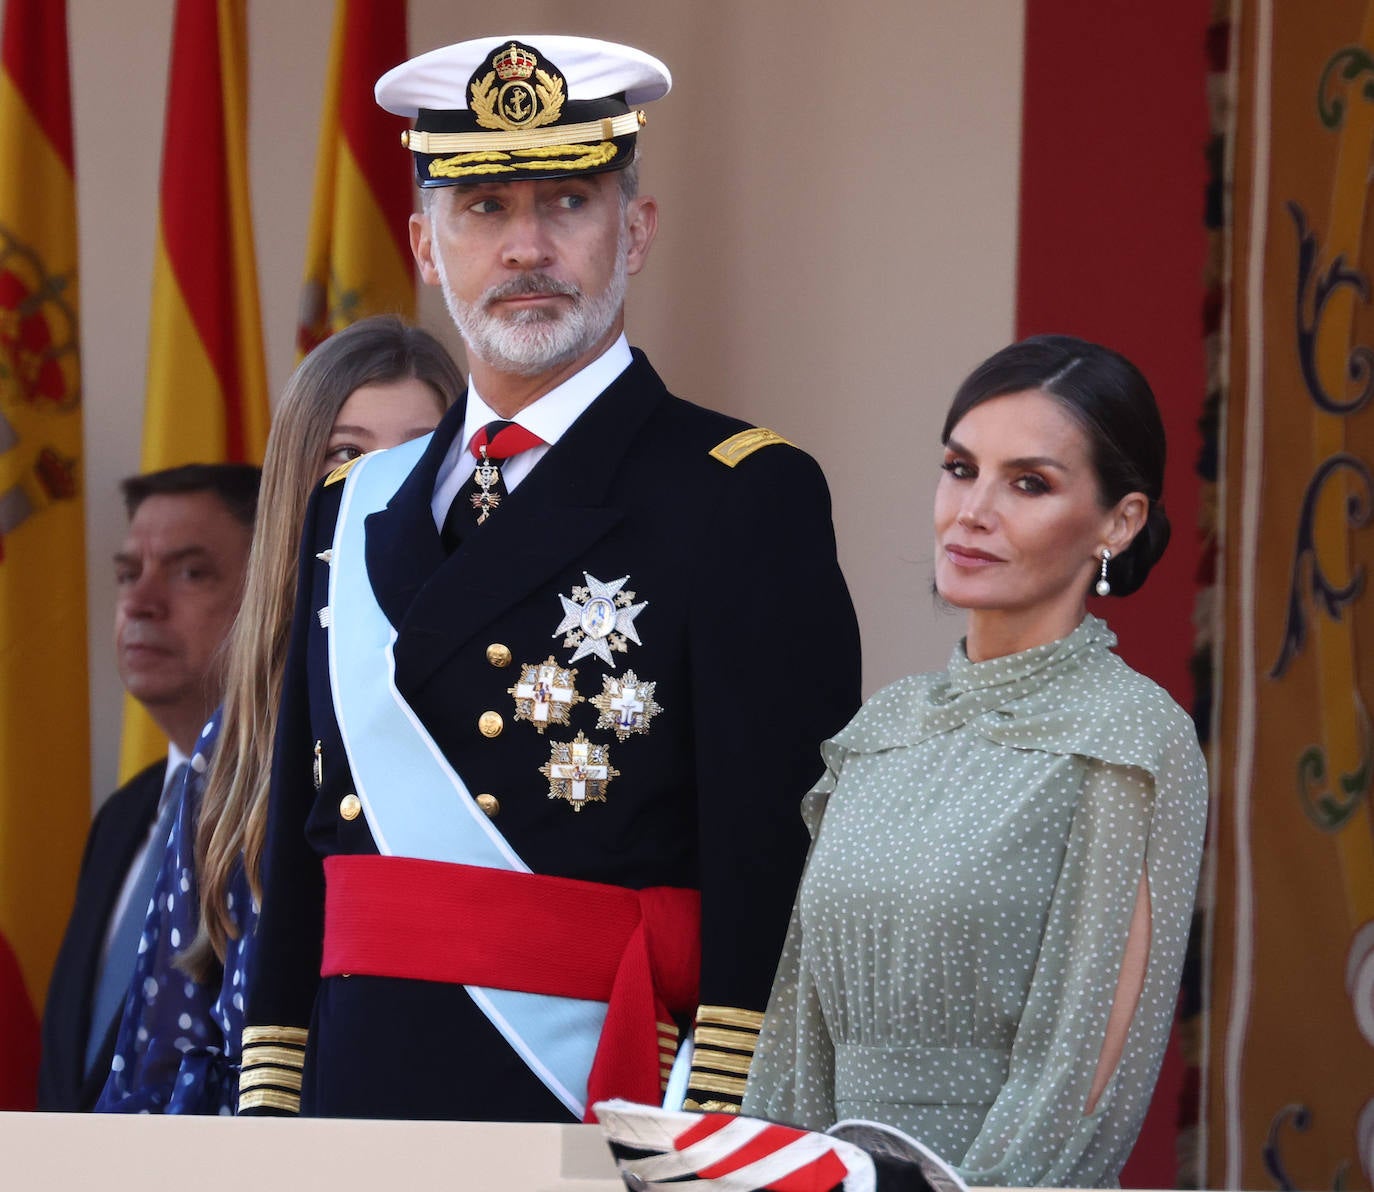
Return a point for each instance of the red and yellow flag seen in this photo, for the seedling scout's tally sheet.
(206, 399)
(44, 736)
(358, 258)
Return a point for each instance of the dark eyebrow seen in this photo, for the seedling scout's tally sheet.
(1021, 463)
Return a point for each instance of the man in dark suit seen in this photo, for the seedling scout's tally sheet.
(180, 576)
(558, 675)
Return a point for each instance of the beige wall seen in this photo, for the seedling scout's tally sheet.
(838, 186)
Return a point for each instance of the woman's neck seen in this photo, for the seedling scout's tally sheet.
(997, 632)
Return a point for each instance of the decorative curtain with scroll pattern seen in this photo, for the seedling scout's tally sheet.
(1290, 1083)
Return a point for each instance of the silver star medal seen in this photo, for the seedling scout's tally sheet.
(599, 618)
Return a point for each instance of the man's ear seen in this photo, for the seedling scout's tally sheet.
(422, 247)
(641, 221)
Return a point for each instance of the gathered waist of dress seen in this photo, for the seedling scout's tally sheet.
(919, 1075)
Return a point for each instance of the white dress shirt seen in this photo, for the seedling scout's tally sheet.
(549, 417)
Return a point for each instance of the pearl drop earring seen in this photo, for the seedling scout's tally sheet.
(1103, 588)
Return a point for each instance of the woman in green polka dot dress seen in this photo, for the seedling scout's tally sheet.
(986, 946)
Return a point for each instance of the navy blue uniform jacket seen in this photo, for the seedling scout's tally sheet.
(749, 635)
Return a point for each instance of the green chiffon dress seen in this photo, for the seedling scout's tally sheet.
(955, 947)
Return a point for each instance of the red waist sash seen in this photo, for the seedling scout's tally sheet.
(637, 950)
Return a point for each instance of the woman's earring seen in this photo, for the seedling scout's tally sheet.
(1103, 587)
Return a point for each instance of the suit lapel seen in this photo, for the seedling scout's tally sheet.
(556, 514)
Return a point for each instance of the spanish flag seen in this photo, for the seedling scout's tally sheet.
(358, 258)
(44, 740)
(206, 398)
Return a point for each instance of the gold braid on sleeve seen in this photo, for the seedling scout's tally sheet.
(270, 1078)
(723, 1046)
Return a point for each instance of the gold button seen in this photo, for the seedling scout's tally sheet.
(490, 804)
(350, 806)
(498, 655)
(490, 724)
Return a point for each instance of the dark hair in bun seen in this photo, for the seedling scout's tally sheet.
(1111, 400)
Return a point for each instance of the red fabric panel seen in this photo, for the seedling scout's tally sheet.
(1112, 245)
(19, 1056)
(1112, 248)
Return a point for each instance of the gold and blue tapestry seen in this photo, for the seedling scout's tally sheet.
(1289, 1080)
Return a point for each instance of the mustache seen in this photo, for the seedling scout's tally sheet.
(528, 284)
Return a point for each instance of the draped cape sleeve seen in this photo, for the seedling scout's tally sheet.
(1141, 805)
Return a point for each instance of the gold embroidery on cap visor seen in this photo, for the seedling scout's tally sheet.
(473, 165)
(571, 147)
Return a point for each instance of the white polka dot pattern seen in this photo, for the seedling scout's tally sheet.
(956, 942)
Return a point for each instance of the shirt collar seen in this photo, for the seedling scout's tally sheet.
(175, 760)
(550, 416)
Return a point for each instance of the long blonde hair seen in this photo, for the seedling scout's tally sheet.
(233, 813)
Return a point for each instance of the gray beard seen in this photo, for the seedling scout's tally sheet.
(531, 342)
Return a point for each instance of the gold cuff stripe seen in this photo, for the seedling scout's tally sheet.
(293, 1035)
(667, 1058)
(736, 448)
(710, 1106)
(543, 138)
(667, 1028)
(729, 1086)
(750, 1020)
(265, 1053)
(710, 1036)
(273, 1078)
(721, 1061)
(270, 1099)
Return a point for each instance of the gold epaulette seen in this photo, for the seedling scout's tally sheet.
(741, 446)
(340, 472)
(722, 1049)
(273, 1056)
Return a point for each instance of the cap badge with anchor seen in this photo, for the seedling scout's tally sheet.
(512, 108)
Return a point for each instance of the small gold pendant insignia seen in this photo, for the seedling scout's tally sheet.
(486, 474)
(545, 693)
(599, 618)
(626, 704)
(579, 771)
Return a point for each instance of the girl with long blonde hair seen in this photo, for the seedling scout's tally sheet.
(373, 385)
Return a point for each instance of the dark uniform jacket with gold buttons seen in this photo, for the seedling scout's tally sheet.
(749, 637)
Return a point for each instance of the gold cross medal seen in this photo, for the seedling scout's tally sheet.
(545, 693)
(485, 474)
(599, 618)
(626, 704)
(579, 771)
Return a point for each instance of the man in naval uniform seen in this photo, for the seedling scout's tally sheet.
(559, 672)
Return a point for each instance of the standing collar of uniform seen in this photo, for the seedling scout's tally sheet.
(550, 416)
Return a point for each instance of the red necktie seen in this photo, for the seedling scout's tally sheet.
(485, 489)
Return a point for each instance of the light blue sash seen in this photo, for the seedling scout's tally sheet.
(416, 804)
